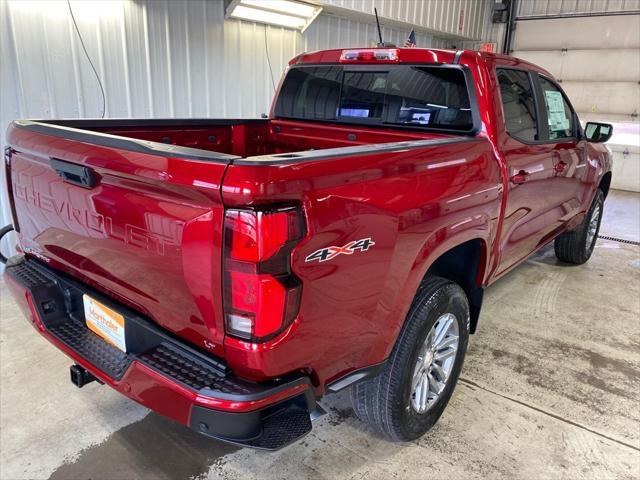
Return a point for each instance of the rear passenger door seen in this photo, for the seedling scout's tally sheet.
(530, 167)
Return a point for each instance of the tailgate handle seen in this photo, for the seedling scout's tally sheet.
(79, 175)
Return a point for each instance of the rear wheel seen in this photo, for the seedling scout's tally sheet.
(577, 246)
(408, 397)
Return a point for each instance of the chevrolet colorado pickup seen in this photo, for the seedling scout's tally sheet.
(229, 273)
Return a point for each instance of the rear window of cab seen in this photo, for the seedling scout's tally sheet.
(429, 97)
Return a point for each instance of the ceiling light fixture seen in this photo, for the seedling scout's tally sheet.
(283, 13)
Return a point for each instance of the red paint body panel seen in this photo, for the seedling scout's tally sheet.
(411, 203)
(150, 234)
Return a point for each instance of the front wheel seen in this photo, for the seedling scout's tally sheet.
(408, 397)
(577, 246)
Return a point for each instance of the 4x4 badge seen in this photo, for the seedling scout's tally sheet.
(350, 248)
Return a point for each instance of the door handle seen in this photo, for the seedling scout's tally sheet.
(520, 177)
(76, 174)
(560, 167)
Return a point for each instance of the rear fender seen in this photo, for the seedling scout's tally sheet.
(433, 248)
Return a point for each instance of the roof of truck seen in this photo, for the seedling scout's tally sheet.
(405, 55)
(414, 55)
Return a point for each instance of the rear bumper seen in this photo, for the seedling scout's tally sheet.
(159, 371)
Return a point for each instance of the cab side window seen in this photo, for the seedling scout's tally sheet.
(518, 104)
(559, 113)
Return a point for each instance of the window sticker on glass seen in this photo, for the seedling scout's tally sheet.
(557, 116)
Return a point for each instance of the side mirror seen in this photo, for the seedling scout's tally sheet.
(598, 132)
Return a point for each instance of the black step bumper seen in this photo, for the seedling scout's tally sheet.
(159, 370)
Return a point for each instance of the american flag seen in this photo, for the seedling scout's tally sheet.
(411, 40)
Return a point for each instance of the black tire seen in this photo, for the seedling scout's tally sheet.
(3, 231)
(575, 247)
(384, 402)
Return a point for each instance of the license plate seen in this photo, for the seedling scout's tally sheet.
(104, 322)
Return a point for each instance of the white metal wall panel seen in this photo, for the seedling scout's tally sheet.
(527, 8)
(468, 18)
(173, 58)
(329, 31)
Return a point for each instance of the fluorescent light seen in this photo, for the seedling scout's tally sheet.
(283, 13)
(262, 16)
(283, 6)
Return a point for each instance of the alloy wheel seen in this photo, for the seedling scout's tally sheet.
(435, 363)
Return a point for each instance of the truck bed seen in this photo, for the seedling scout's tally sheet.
(223, 140)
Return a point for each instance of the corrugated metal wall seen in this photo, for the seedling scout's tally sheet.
(528, 8)
(468, 18)
(156, 58)
(164, 58)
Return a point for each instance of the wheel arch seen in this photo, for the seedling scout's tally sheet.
(463, 258)
(605, 183)
(465, 264)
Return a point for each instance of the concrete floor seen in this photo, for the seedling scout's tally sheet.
(550, 389)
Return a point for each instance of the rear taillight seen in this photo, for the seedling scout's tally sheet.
(261, 294)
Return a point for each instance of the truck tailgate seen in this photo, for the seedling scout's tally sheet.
(142, 226)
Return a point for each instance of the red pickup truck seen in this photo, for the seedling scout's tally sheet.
(228, 273)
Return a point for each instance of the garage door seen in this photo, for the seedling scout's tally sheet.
(597, 60)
